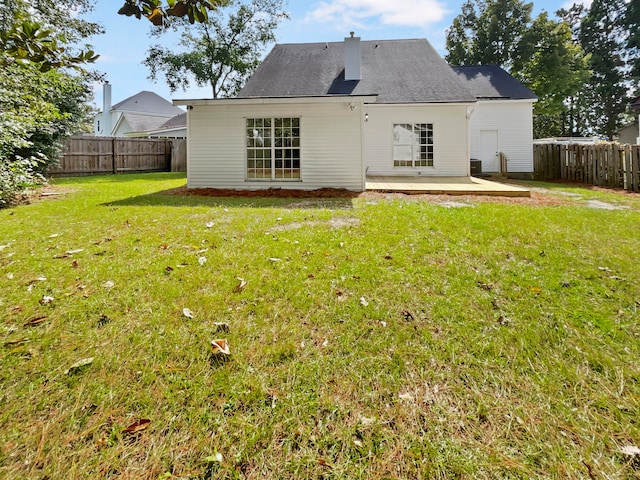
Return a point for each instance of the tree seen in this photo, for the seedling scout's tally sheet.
(44, 32)
(42, 100)
(196, 11)
(221, 52)
(603, 36)
(556, 69)
(540, 53)
(632, 21)
(488, 32)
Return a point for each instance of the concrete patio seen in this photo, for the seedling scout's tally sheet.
(444, 186)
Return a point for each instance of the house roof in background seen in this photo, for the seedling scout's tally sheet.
(398, 71)
(492, 82)
(176, 122)
(142, 123)
(147, 102)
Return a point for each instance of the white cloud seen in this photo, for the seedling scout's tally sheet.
(357, 13)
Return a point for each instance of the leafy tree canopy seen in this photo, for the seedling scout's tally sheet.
(222, 51)
(160, 12)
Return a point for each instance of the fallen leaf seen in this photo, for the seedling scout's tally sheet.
(209, 224)
(363, 302)
(357, 443)
(273, 259)
(168, 269)
(138, 426)
(388, 257)
(202, 260)
(36, 321)
(78, 365)
(54, 235)
(408, 316)
(15, 343)
(220, 347)
(221, 327)
(75, 264)
(164, 246)
(238, 288)
(46, 300)
(217, 457)
(485, 286)
(187, 313)
(10, 276)
(325, 343)
(631, 450)
(535, 289)
(72, 252)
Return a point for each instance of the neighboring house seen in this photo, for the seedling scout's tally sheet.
(502, 120)
(329, 114)
(628, 134)
(133, 116)
(175, 127)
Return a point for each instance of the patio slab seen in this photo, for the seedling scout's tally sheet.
(444, 186)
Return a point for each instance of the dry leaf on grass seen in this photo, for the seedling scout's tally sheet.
(45, 300)
(202, 261)
(221, 327)
(240, 286)
(363, 302)
(630, 450)
(220, 347)
(187, 313)
(36, 321)
(136, 427)
(76, 367)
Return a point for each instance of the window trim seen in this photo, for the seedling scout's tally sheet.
(272, 149)
(430, 147)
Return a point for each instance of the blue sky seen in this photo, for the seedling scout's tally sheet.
(123, 47)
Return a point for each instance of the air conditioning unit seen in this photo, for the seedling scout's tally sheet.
(476, 167)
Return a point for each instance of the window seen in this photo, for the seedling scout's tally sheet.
(273, 148)
(413, 145)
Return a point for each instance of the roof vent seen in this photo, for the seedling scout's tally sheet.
(352, 58)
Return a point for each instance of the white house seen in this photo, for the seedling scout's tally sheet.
(329, 114)
(502, 120)
(137, 115)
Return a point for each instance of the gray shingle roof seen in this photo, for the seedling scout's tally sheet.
(147, 102)
(142, 123)
(398, 71)
(176, 122)
(492, 82)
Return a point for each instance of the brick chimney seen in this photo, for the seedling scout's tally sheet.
(352, 58)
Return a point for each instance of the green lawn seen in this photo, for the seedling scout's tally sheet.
(376, 337)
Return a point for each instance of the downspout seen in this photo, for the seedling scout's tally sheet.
(363, 116)
(470, 111)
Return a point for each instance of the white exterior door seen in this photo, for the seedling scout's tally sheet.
(489, 150)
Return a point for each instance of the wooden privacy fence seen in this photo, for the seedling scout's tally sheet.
(99, 155)
(604, 165)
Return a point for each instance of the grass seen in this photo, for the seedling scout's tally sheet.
(375, 338)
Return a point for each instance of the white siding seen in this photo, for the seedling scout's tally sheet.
(450, 138)
(330, 145)
(514, 122)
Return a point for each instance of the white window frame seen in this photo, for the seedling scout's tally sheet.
(261, 139)
(421, 153)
